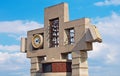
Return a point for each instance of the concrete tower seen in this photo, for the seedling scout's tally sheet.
(49, 47)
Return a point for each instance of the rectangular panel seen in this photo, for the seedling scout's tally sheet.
(23, 47)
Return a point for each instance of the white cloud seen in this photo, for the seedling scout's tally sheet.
(10, 48)
(106, 70)
(108, 2)
(110, 25)
(18, 28)
(13, 61)
(98, 49)
(21, 74)
(109, 28)
(107, 52)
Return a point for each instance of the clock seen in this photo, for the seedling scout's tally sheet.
(37, 41)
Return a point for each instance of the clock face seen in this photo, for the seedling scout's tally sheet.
(37, 41)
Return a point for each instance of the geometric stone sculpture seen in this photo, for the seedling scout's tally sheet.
(49, 47)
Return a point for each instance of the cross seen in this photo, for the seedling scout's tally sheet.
(49, 48)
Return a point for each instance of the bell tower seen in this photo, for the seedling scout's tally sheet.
(49, 47)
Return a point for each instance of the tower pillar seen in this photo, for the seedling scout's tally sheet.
(79, 63)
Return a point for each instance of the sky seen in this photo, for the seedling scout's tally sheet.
(19, 16)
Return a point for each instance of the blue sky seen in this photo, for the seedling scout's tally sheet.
(19, 16)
